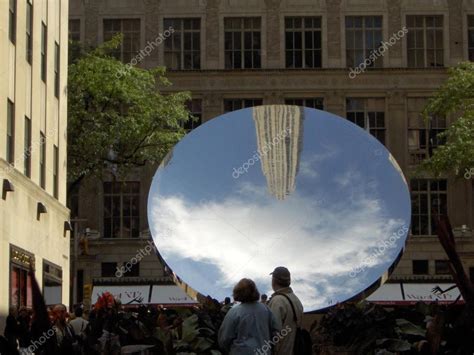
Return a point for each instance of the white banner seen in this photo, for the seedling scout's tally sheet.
(170, 295)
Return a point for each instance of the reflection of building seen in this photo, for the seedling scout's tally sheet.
(279, 132)
(33, 232)
(281, 66)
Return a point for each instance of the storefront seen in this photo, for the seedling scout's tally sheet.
(20, 278)
(52, 283)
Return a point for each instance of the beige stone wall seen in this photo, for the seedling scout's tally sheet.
(395, 83)
(21, 83)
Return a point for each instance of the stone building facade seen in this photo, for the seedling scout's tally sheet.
(237, 53)
(34, 228)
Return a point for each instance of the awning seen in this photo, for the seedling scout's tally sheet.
(411, 293)
(132, 295)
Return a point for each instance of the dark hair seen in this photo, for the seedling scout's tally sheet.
(78, 311)
(227, 300)
(246, 291)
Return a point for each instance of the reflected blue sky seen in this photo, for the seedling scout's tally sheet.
(321, 199)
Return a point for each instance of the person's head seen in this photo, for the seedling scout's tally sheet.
(246, 291)
(78, 312)
(60, 313)
(281, 278)
(264, 298)
(227, 300)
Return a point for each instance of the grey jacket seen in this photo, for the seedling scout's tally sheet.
(247, 329)
(281, 308)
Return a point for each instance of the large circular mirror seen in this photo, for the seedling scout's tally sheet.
(280, 186)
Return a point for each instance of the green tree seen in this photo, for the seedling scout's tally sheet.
(455, 97)
(117, 117)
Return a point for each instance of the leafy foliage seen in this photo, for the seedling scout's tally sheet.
(118, 119)
(455, 97)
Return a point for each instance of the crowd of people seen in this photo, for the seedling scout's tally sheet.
(253, 325)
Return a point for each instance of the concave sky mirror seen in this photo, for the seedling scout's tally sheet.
(280, 185)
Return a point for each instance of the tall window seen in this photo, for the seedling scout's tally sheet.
(108, 269)
(44, 49)
(10, 132)
(420, 267)
(368, 114)
(29, 31)
(12, 21)
(363, 37)
(183, 47)
(470, 24)
(27, 147)
(20, 292)
(422, 136)
(121, 209)
(242, 37)
(442, 267)
(74, 39)
(195, 111)
(427, 197)
(317, 103)
(56, 69)
(425, 41)
(42, 160)
(130, 29)
(303, 42)
(237, 104)
(56, 172)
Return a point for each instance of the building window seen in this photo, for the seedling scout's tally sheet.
(42, 160)
(183, 48)
(12, 21)
(422, 135)
(237, 104)
(56, 69)
(194, 107)
(130, 30)
(442, 267)
(363, 37)
(29, 31)
(317, 103)
(134, 271)
(27, 147)
(73, 200)
(108, 269)
(242, 42)
(52, 283)
(420, 267)
(470, 24)
(10, 132)
(471, 274)
(303, 42)
(121, 209)
(44, 49)
(20, 278)
(56, 172)
(427, 197)
(425, 41)
(368, 114)
(74, 39)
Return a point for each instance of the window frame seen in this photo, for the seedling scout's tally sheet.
(27, 147)
(305, 102)
(182, 51)
(243, 103)
(42, 160)
(425, 29)
(108, 34)
(10, 141)
(57, 68)
(29, 31)
(379, 132)
(303, 30)
(240, 34)
(425, 264)
(12, 20)
(364, 32)
(44, 51)
(470, 34)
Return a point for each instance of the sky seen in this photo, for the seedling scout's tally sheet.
(344, 197)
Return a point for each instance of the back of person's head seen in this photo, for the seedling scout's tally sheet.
(227, 300)
(78, 312)
(264, 298)
(246, 291)
(281, 277)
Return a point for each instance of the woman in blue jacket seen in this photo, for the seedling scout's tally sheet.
(250, 327)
